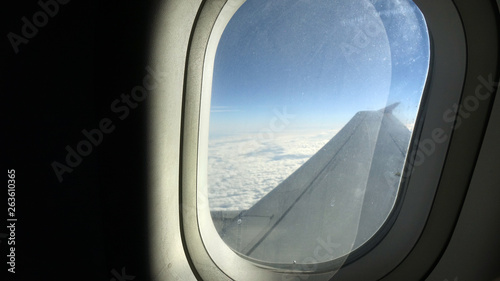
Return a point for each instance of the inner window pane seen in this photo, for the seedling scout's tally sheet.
(312, 108)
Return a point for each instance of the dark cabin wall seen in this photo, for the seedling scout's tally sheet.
(61, 81)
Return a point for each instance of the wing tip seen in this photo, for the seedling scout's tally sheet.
(389, 108)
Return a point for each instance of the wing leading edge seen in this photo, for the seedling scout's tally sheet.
(334, 202)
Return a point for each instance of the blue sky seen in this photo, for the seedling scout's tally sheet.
(322, 60)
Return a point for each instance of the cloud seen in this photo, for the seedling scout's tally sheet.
(243, 168)
(410, 126)
(224, 110)
(218, 109)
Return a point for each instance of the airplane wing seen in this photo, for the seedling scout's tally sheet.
(337, 200)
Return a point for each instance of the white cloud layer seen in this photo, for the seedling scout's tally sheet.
(244, 168)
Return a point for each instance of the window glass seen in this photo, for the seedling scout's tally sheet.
(312, 108)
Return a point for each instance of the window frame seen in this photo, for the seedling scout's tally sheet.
(200, 65)
(211, 260)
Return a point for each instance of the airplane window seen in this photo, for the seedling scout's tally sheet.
(312, 108)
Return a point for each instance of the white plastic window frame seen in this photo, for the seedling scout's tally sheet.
(209, 258)
(421, 182)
